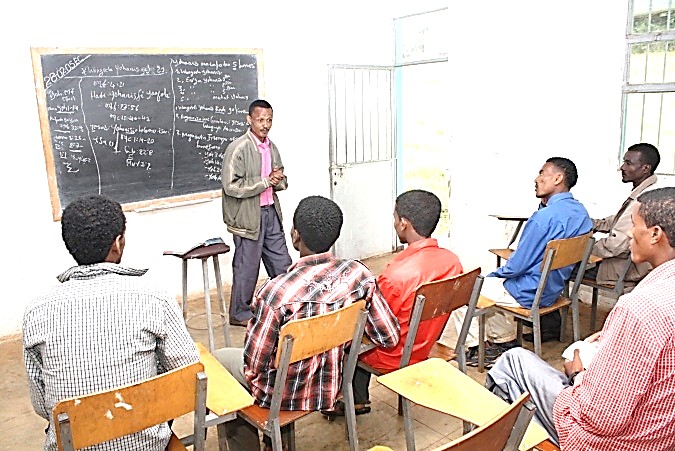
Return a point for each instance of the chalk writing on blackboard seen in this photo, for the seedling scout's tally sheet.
(140, 127)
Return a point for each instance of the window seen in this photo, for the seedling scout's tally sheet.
(649, 79)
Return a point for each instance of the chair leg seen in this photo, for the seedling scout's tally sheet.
(481, 342)
(563, 323)
(519, 331)
(288, 437)
(408, 425)
(536, 333)
(275, 433)
(594, 308)
(576, 327)
(350, 418)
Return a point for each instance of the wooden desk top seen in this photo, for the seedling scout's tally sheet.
(224, 394)
(438, 385)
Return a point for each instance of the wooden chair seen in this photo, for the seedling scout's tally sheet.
(299, 340)
(91, 419)
(558, 254)
(435, 299)
(614, 289)
(503, 432)
(438, 385)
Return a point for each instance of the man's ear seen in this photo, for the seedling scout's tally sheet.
(248, 119)
(116, 250)
(657, 235)
(559, 178)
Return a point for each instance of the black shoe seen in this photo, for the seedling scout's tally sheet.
(492, 353)
(545, 336)
(236, 322)
(339, 411)
(507, 345)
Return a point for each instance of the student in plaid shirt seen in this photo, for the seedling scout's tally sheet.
(316, 283)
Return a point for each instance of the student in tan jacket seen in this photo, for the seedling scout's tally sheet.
(639, 164)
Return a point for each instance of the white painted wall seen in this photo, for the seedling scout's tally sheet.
(527, 80)
(537, 80)
(299, 39)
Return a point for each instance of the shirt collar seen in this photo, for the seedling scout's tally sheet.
(416, 246)
(311, 260)
(649, 181)
(558, 197)
(663, 271)
(96, 270)
(257, 142)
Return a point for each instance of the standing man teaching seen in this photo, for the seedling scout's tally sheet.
(252, 173)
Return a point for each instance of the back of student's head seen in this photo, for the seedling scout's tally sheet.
(318, 220)
(657, 208)
(649, 154)
(568, 168)
(421, 208)
(89, 226)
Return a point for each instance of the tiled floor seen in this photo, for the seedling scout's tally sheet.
(21, 429)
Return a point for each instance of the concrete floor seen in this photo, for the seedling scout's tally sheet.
(22, 429)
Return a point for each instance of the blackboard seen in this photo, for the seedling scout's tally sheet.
(146, 127)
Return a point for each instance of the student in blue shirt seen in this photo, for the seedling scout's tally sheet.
(515, 283)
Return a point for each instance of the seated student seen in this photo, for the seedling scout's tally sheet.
(103, 327)
(639, 164)
(317, 283)
(625, 398)
(515, 283)
(416, 215)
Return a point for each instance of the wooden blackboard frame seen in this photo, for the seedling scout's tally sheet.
(46, 132)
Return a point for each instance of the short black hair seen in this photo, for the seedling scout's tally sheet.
(89, 226)
(318, 220)
(421, 208)
(568, 168)
(657, 208)
(260, 103)
(649, 154)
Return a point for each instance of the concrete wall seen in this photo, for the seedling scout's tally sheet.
(527, 80)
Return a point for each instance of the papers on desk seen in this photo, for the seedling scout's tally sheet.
(587, 351)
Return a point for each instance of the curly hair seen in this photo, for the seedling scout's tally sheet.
(568, 168)
(421, 208)
(89, 226)
(318, 220)
(657, 207)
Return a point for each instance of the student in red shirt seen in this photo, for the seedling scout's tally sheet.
(416, 215)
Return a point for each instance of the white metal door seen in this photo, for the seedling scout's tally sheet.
(363, 158)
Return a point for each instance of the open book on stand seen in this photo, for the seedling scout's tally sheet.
(587, 351)
(209, 242)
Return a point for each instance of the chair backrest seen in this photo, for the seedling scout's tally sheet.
(303, 338)
(503, 432)
(562, 253)
(317, 334)
(438, 298)
(567, 251)
(91, 419)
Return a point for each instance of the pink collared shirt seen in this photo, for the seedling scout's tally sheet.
(264, 148)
